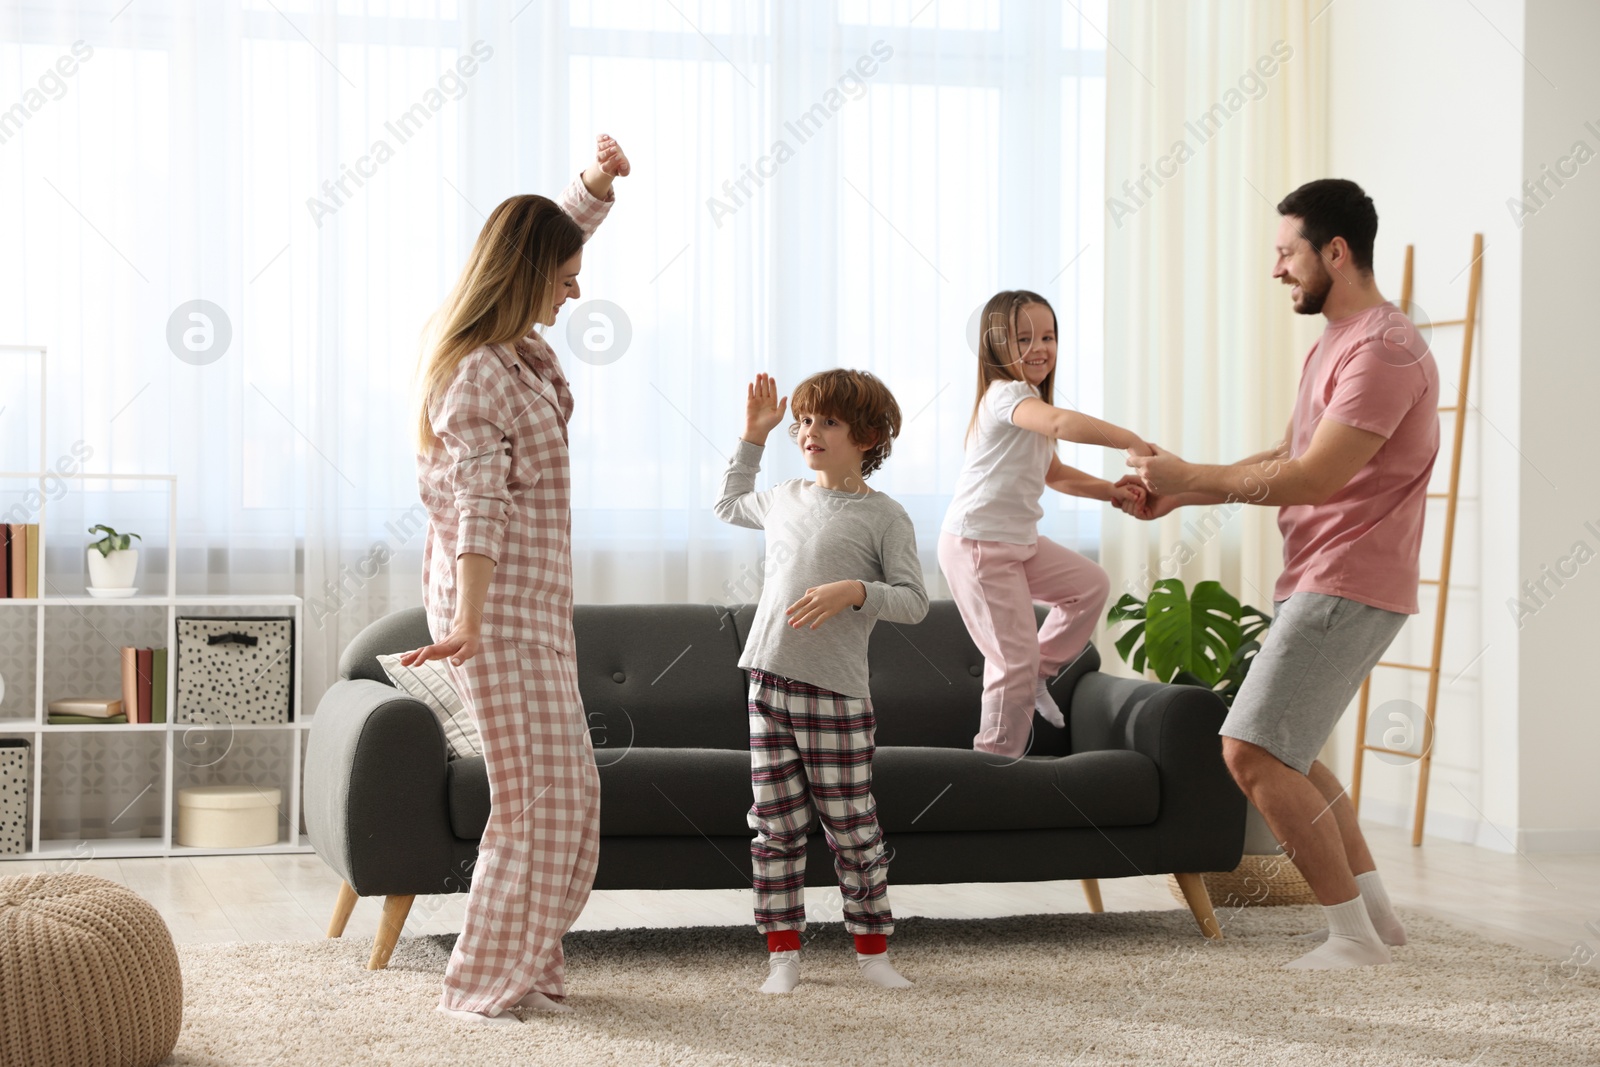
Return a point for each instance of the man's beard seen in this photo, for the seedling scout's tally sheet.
(1314, 292)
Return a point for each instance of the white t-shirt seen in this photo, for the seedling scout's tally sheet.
(997, 494)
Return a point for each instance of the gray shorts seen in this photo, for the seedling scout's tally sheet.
(1313, 661)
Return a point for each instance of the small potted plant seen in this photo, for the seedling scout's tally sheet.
(1207, 638)
(112, 564)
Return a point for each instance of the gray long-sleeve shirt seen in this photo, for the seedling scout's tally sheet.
(816, 536)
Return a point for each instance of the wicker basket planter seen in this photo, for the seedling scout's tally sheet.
(1258, 880)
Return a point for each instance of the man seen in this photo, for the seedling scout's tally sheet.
(1350, 481)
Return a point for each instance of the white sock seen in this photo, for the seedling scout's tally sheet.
(1352, 941)
(478, 1018)
(877, 969)
(539, 1002)
(1379, 910)
(1046, 704)
(783, 972)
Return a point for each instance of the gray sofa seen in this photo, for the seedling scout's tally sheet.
(1134, 785)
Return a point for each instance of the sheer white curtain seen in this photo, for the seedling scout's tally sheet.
(815, 184)
(1215, 111)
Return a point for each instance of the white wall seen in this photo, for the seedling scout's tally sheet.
(1439, 117)
(1559, 707)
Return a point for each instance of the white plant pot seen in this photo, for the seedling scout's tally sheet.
(115, 571)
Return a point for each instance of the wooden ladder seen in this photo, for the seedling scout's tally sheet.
(1450, 497)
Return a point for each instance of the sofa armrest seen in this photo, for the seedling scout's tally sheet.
(1202, 812)
(377, 803)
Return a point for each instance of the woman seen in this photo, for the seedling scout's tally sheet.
(494, 476)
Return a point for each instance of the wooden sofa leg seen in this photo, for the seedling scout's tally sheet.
(342, 909)
(395, 910)
(1091, 889)
(1199, 901)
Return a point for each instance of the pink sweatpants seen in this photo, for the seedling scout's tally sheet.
(995, 585)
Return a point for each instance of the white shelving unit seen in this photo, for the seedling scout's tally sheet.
(163, 748)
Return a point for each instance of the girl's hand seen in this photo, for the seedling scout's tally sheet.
(1128, 495)
(459, 645)
(763, 409)
(609, 158)
(824, 602)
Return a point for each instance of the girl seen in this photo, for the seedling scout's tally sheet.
(993, 558)
(494, 476)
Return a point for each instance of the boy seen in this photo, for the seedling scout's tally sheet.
(839, 557)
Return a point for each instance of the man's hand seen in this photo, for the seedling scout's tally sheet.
(824, 602)
(1162, 473)
(763, 409)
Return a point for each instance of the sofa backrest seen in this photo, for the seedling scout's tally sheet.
(927, 681)
(660, 676)
(667, 676)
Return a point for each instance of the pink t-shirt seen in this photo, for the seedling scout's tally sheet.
(1371, 370)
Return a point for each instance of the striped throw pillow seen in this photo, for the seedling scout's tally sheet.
(430, 683)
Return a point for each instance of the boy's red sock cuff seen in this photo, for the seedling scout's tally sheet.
(872, 944)
(783, 941)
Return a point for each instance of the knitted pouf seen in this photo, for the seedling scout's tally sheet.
(88, 975)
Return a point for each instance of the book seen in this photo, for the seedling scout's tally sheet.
(33, 559)
(5, 559)
(146, 682)
(158, 692)
(84, 720)
(94, 707)
(130, 682)
(19, 559)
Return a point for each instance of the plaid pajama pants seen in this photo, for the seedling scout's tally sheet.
(537, 860)
(811, 752)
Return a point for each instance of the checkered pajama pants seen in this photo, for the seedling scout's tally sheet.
(537, 860)
(811, 752)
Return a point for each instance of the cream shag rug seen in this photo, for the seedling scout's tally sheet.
(1117, 988)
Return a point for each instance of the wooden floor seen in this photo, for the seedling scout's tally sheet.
(1546, 903)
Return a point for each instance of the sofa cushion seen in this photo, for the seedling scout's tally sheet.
(931, 789)
(699, 791)
(643, 791)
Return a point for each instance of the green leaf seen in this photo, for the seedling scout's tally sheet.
(1253, 622)
(1195, 634)
(1126, 642)
(1127, 609)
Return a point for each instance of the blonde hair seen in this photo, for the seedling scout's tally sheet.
(997, 331)
(507, 284)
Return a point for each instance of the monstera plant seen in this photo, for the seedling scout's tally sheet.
(1204, 638)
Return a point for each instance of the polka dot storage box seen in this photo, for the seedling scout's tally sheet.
(235, 670)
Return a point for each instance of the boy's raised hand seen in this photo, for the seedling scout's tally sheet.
(763, 410)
